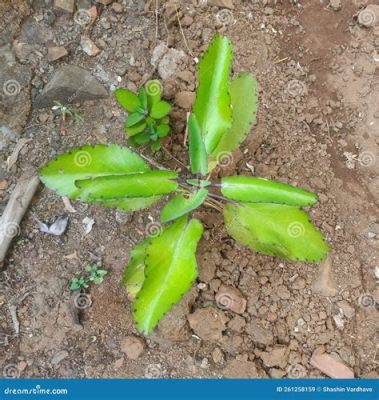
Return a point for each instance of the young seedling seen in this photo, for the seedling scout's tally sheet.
(96, 275)
(65, 111)
(78, 284)
(264, 215)
(148, 115)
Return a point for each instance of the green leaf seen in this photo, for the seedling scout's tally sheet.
(162, 130)
(127, 99)
(212, 105)
(155, 146)
(170, 269)
(146, 184)
(143, 98)
(160, 110)
(181, 205)
(164, 120)
(244, 98)
(89, 162)
(133, 119)
(136, 129)
(259, 190)
(129, 203)
(134, 275)
(197, 153)
(276, 230)
(141, 138)
(154, 91)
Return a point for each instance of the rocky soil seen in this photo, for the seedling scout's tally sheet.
(317, 64)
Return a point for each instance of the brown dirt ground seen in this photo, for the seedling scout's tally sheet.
(315, 139)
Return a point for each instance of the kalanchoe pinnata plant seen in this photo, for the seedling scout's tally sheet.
(148, 114)
(264, 215)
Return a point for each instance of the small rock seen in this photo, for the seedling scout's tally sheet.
(237, 324)
(283, 292)
(185, 99)
(21, 366)
(231, 299)
(222, 3)
(277, 357)
(238, 369)
(207, 267)
(64, 5)
(118, 363)
(187, 21)
(259, 334)
(56, 52)
(43, 117)
(186, 76)
(324, 284)
(104, 2)
(299, 284)
(208, 323)
(335, 5)
(218, 356)
(3, 185)
(58, 357)
(70, 84)
(117, 8)
(347, 309)
(132, 346)
(331, 366)
(89, 47)
(166, 60)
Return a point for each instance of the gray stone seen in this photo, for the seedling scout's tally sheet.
(6, 137)
(70, 84)
(14, 91)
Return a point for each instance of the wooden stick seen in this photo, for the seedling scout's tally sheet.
(14, 211)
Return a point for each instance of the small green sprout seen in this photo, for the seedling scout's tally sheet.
(96, 274)
(78, 283)
(148, 115)
(65, 111)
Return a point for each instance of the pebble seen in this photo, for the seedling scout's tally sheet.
(58, 357)
(335, 5)
(89, 47)
(324, 284)
(64, 5)
(104, 2)
(222, 3)
(208, 323)
(231, 299)
(133, 347)
(277, 357)
(56, 52)
(331, 367)
(347, 309)
(117, 8)
(218, 356)
(185, 99)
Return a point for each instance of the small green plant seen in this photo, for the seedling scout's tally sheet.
(95, 275)
(65, 111)
(148, 117)
(264, 215)
(78, 283)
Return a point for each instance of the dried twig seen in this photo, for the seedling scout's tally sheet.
(181, 30)
(14, 212)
